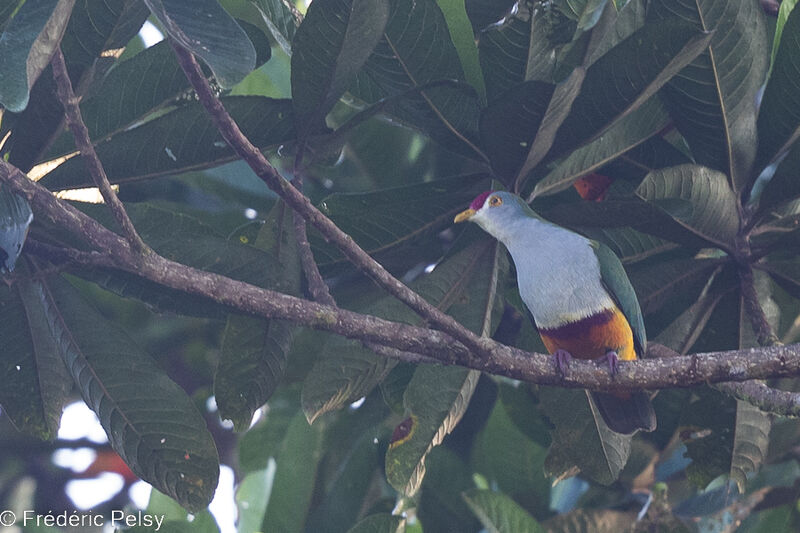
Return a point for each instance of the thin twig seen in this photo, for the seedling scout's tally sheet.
(297, 201)
(82, 141)
(766, 398)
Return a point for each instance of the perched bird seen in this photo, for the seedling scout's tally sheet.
(579, 295)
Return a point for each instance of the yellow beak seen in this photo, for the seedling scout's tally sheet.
(466, 214)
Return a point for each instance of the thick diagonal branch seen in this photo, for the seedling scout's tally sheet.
(296, 200)
(82, 141)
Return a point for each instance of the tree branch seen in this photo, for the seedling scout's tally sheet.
(255, 159)
(82, 141)
(423, 344)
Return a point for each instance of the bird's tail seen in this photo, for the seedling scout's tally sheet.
(625, 414)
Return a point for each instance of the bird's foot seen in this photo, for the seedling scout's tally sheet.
(611, 358)
(562, 358)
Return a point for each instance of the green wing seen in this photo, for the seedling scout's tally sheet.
(616, 281)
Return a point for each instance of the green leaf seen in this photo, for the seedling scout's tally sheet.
(713, 100)
(631, 246)
(784, 185)
(626, 77)
(254, 350)
(779, 116)
(510, 452)
(708, 424)
(503, 54)
(509, 125)
(347, 488)
(440, 506)
(331, 45)
(785, 9)
(697, 198)
(181, 140)
(150, 421)
(26, 45)
(751, 430)
(436, 399)
(379, 523)
(585, 12)
(483, 13)
(786, 273)
(295, 477)
(580, 438)
(280, 20)
(591, 521)
(416, 49)
(458, 23)
(629, 18)
(346, 371)
(659, 282)
(134, 88)
(35, 382)
(393, 219)
(206, 30)
(500, 514)
(260, 446)
(94, 27)
(252, 496)
(15, 218)
(626, 134)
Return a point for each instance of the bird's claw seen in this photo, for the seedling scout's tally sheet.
(562, 358)
(611, 358)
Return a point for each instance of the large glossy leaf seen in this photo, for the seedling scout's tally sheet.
(631, 246)
(254, 350)
(626, 77)
(329, 48)
(580, 438)
(483, 13)
(657, 283)
(784, 185)
(437, 397)
(384, 220)
(379, 523)
(779, 115)
(713, 99)
(697, 198)
(416, 49)
(623, 22)
(585, 12)
(35, 381)
(510, 450)
(347, 371)
(15, 218)
(281, 21)
(94, 27)
(499, 513)
(134, 89)
(686, 204)
(181, 140)
(181, 238)
(752, 426)
(295, 477)
(150, 421)
(503, 53)
(626, 134)
(458, 23)
(26, 45)
(509, 125)
(205, 29)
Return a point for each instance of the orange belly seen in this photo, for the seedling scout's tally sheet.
(593, 337)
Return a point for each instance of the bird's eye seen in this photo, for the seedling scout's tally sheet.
(494, 201)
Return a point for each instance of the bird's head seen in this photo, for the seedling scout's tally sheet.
(494, 211)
